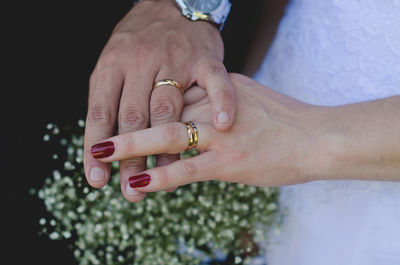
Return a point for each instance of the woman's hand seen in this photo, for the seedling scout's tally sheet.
(274, 141)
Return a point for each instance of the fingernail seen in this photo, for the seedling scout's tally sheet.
(223, 117)
(102, 150)
(131, 191)
(97, 174)
(139, 181)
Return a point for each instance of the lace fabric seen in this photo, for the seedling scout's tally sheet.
(334, 52)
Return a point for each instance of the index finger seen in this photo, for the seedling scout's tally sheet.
(104, 92)
(169, 138)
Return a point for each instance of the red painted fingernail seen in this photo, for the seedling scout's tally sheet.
(102, 150)
(139, 180)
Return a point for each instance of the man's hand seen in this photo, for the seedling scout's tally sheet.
(276, 140)
(152, 42)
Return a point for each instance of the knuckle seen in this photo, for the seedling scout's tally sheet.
(211, 67)
(136, 164)
(189, 167)
(235, 76)
(163, 110)
(123, 46)
(225, 95)
(99, 114)
(116, 50)
(163, 178)
(166, 159)
(95, 78)
(132, 118)
(144, 49)
(119, 39)
(177, 44)
(216, 68)
(175, 50)
(109, 59)
(171, 132)
(241, 79)
(119, 42)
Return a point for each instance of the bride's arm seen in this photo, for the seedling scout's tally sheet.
(276, 140)
(362, 141)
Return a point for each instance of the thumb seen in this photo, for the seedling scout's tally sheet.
(212, 75)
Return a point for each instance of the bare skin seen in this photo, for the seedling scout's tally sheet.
(152, 42)
(276, 140)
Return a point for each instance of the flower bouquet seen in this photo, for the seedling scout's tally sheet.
(202, 223)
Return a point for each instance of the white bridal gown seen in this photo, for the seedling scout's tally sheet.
(334, 52)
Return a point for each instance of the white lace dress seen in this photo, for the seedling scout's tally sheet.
(333, 52)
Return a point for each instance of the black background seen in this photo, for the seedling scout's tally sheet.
(49, 51)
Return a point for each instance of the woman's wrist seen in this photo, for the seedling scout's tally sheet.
(325, 145)
(328, 148)
(359, 141)
(339, 146)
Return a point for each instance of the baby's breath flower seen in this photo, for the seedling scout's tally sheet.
(46, 137)
(165, 228)
(238, 260)
(66, 234)
(54, 236)
(56, 130)
(81, 123)
(42, 221)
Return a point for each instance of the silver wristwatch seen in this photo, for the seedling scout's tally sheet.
(215, 11)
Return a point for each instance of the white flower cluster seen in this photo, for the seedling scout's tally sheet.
(192, 225)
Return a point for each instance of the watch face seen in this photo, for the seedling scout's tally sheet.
(204, 6)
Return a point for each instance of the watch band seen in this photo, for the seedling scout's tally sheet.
(136, 1)
(216, 17)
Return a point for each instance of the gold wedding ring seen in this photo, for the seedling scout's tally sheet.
(169, 82)
(192, 133)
